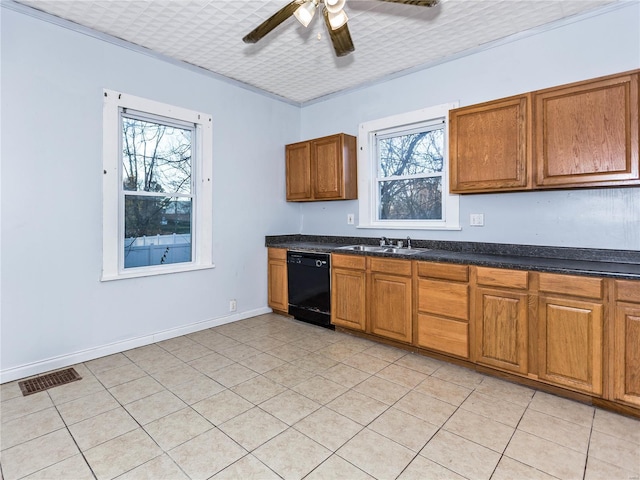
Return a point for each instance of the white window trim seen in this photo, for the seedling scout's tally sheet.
(368, 165)
(202, 236)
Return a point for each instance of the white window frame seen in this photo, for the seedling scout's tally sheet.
(368, 168)
(113, 210)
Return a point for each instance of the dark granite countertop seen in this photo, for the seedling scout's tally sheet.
(624, 264)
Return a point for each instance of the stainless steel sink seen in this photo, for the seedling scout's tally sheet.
(386, 249)
(400, 251)
(361, 248)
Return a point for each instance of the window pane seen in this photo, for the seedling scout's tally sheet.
(411, 154)
(157, 230)
(414, 199)
(155, 157)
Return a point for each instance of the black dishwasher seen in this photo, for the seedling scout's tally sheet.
(309, 282)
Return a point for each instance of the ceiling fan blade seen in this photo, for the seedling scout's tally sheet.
(272, 22)
(419, 3)
(340, 37)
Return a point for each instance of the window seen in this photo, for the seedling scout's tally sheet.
(157, 188)
(403, 167)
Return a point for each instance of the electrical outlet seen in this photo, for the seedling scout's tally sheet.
(233, 305)
(351, 218)
(476, 219)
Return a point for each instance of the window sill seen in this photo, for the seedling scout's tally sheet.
(396, 226)
(153, 271)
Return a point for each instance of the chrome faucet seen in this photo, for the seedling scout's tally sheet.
(408, 242)
(384, 241)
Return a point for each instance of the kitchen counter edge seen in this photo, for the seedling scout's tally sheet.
(620, 264)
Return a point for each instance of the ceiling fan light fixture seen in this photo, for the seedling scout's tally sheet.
(337, 20)
(334, 6)
(305, 12)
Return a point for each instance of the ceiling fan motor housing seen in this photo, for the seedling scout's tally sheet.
(334, 6)
(334, 16)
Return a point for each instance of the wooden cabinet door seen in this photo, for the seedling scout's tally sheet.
(626, 381)
(390, 306)
(326, 165)
(298, 171)
(586, 134)
(489, 146)
(348, 302)
(322, 169)
(277, 283)
(570, 343)
(501, 321)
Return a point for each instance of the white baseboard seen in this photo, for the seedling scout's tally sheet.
(61, 361)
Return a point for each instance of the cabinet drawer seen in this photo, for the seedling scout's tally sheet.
(444, 298)
(628, 291)
(444, 335)
(444, 271)
(394, 267)
(588, 287)
(278, 254)
(348, 261)
(500, 277)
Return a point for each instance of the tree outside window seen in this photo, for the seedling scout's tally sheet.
(157, 189)
(402, 172)
(409, 179)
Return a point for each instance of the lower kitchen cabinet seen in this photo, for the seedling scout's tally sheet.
(390, 299)
(570, 332)
(578, 333)
(277, 281)
(501, 319)
(443, 308)
(626, 343)
(348, 291)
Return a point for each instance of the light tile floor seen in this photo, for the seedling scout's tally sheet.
(270, 397)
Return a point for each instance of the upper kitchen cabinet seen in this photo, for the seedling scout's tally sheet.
(322, 169)
(298, 164)
(488, 146)
(586, 134)
(583, 134)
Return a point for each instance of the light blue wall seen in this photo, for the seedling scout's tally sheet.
(53, 306)
(594, 46)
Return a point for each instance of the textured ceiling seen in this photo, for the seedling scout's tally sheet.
(297, 63)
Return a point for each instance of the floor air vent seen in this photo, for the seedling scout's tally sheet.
(50, 380)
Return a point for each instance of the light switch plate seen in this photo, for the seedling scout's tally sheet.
(476, 219)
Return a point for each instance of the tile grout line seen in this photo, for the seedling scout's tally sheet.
(136, 421)
(502, 455)
(293, 341)
(66, 426)
(586, 457)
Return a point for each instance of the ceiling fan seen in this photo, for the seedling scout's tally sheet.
(334, 17)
